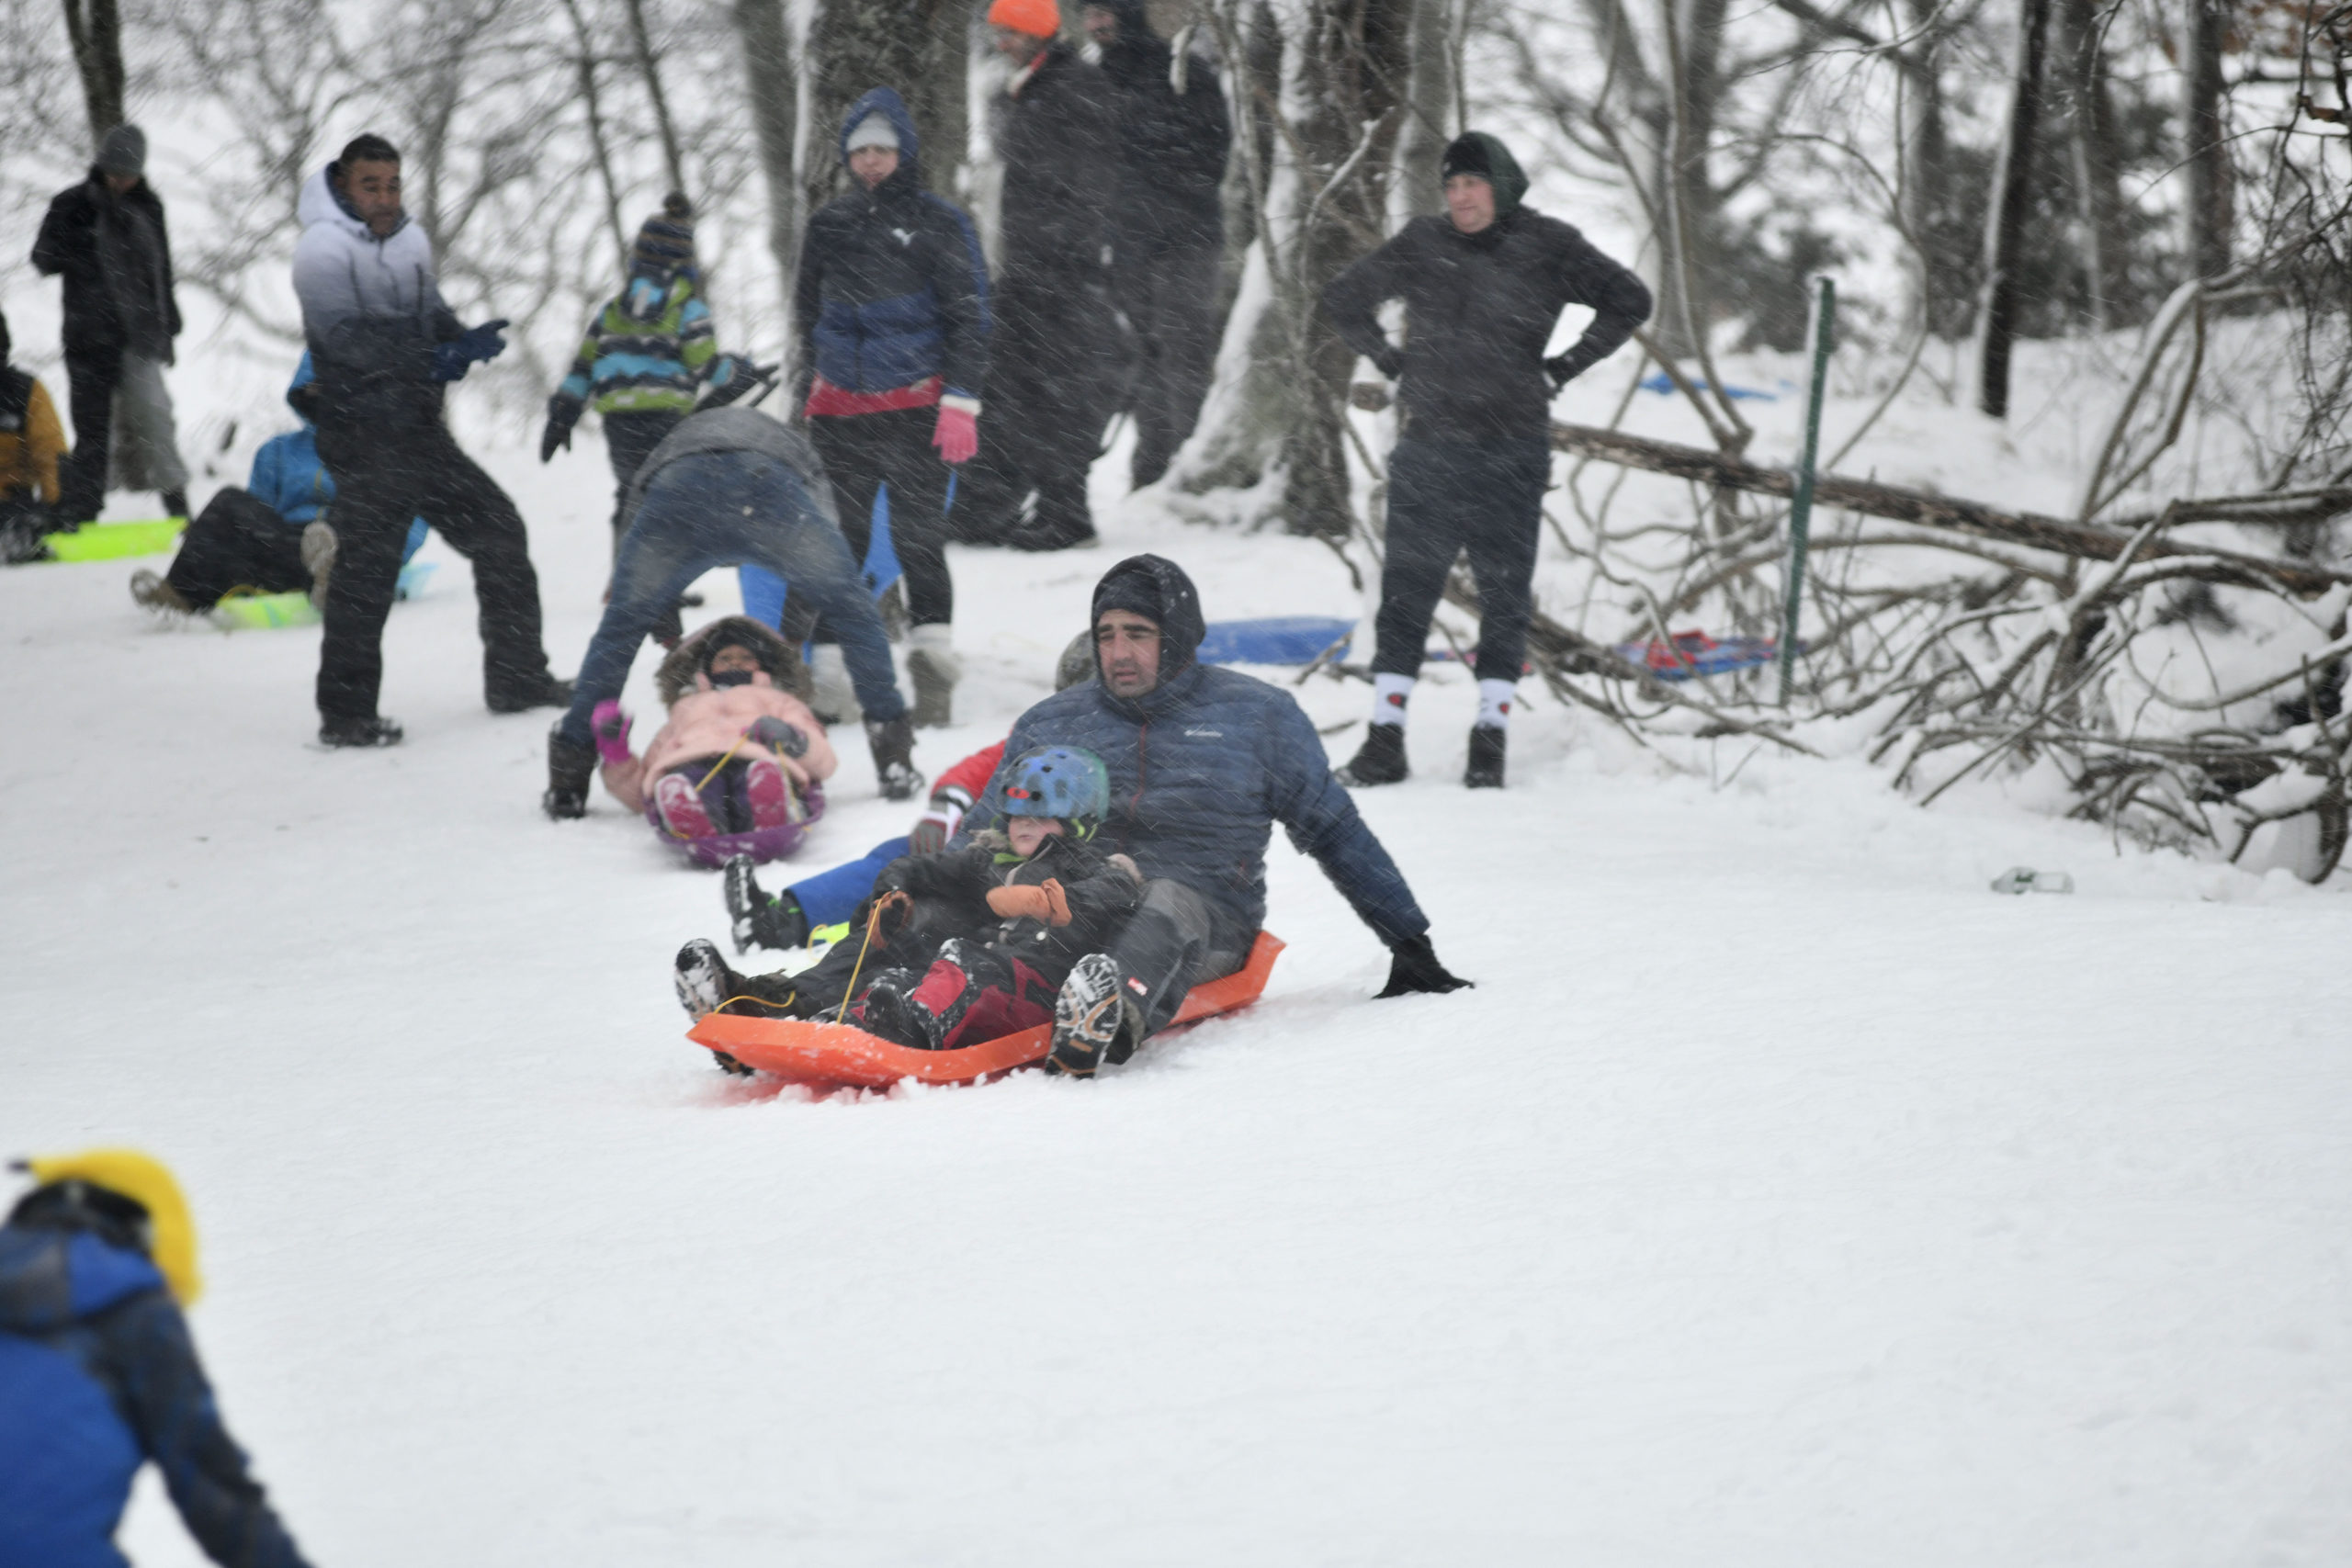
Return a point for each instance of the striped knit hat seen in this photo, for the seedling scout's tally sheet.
(667, 242)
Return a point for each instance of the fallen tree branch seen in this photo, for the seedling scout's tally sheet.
(1928, 511)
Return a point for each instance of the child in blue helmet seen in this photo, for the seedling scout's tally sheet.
(970, 944)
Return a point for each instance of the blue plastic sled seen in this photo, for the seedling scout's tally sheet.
(1277, 640)
(1696, 653)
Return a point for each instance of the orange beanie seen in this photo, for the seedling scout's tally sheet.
(1038, 18)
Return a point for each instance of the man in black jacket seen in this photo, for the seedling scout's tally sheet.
(1054, 351)
(105, 237)
(1166, 229)
(1482, 288)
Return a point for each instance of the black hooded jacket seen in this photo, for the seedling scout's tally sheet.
(1172, 145)
(115, 254)
(1203, 766)
(1059, 140)
(1479, 310)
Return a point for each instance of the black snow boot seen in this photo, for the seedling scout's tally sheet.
(1380, 761)
(570, 767)
(1486, 769)
(544, 691)
(890, 1009)
(1093, 1021)
(702, 980)
(893, 743)
(374, 730)
(761, 919)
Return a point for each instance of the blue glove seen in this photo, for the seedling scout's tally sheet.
(452, 359)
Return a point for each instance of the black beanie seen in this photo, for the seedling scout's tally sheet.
(1475, 153)
(666, 241)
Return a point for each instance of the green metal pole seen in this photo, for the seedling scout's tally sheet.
(1824, 311)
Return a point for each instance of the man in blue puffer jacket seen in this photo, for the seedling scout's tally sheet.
(1203, 761)
(98, 1375)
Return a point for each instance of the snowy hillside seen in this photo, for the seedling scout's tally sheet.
(1781, 1195)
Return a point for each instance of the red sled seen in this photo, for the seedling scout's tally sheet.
(839, 1055)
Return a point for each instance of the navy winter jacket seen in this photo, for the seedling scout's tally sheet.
(1201, 767)
(97, 1374)
(892, 289)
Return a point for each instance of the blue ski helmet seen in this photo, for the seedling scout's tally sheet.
(1058, 781)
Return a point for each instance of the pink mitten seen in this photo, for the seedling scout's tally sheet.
(957, 434)
(611, 726)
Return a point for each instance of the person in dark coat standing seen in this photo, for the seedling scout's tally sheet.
(1167, 226)
(1203, 763)
(384, 343)
(1053, 354)
(1482, 288)
(107, 237)
(892, 307)
(98, 1376)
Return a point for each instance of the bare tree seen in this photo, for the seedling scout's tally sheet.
(2005, 228)
(96, 28)
(2206, 215)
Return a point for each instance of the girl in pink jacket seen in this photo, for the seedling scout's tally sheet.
(740, 766)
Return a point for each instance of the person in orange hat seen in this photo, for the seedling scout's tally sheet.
(1054, 357)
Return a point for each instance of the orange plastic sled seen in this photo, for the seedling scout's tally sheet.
(841, 1055)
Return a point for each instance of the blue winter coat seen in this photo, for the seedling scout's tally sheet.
(892, 289)
(98, 1375)
(1201, 767)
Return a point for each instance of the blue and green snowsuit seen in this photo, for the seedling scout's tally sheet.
(640, 366)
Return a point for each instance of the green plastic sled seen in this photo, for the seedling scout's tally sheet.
(117, 541)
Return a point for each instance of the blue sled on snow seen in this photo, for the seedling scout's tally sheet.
(1276, 640)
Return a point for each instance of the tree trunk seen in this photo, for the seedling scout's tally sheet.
(2097, 181)
(923, 48)
(1354, 53)
(95, 29)
(2207, 217)
(592, 102)
(1694, 34)
(651, 69)
(772, 85)
(2004, 218)
(1433, 119)
(1948, 245)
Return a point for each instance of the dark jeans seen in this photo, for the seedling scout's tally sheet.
(630, 437)
(384, 477)
(719, 509)
(1443, 498)
(1170, 298)
(1052, 370)
(862, 453)
(237, 541)
(90, 381)
(1171, 944)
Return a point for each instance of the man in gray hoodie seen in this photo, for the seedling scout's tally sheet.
(384, 343)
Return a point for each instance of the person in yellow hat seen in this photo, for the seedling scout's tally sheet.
(98, 1375)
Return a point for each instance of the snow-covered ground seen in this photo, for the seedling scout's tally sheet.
(1779, 1196)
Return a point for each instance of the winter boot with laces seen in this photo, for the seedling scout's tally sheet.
(156, 593)
(1380, 761)
(1486, 769)
(702, 980)
(570, 768)
(888, 1008)
(893, 744)
(1093, 1021)
(761, 919)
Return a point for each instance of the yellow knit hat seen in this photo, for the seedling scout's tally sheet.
(142, 1180)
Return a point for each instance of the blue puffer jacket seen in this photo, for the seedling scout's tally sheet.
(97, 1374)
(1201, 767)
(892, 289)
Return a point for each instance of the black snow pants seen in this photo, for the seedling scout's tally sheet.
(90, 381)
(1446, 497)
(864, 451)
(1170, 299)
(1052, 372)
(383, 478)
(1171, 944)
(630, 437)
(237, 541)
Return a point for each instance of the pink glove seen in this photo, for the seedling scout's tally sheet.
(611, 726)
(957, 434)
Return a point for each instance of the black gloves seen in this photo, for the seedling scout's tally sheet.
(1414, 968)
(1389, 361)
(778, 736)
(731, 376)
(1563, 369)
(563, 412)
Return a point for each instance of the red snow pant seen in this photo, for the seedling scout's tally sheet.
(980, 992)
